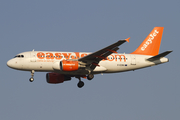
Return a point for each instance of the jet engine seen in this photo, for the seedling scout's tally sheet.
(55, 78)
(69, 65)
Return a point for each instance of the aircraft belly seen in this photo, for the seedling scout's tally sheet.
(38, 66)
(99, 69)
(77, 72)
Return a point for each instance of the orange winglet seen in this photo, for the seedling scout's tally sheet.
(111, 50)
(127, 39)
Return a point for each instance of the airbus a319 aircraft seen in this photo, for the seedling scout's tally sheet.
(62, 66)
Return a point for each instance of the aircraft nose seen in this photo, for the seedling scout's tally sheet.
(13, 63)
(9, 63)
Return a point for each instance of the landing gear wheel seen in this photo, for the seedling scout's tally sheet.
(90, 76)
(32, 75)
(80, 84)
(31, 79)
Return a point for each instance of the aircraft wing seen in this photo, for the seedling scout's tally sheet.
(103, 53)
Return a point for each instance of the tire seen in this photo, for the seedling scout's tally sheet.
(31, 79)
(90, 76)
(80, 84)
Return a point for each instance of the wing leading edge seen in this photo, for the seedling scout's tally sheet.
(103, 53)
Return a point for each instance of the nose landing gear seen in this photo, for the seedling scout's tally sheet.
(32, 75)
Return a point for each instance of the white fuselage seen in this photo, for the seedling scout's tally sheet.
(46, 61)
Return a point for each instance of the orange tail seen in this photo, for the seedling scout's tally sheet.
(151, 45)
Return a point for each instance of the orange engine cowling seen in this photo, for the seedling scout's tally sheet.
(55, 78)
(69, 65)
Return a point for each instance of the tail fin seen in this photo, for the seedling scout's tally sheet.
(151, 45)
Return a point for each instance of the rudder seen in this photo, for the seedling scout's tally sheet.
(151, 45)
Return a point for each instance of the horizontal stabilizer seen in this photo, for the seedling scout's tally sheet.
(157, 57)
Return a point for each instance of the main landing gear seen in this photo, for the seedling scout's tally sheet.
(90, 76)
(81, 83)
(32, 76)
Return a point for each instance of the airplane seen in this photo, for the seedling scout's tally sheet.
(62, 66)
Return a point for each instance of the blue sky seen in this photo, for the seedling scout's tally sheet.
(150, 93)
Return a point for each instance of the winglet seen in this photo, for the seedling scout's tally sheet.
(127, 39)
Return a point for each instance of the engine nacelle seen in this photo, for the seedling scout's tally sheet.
(55, 78)
(69, 65)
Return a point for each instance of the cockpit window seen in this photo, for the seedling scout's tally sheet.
(19, 56)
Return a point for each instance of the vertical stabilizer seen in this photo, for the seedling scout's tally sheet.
(151, 45)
